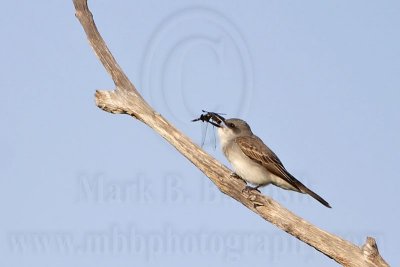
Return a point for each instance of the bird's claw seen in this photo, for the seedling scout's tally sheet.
(234, 175)
(248, 189)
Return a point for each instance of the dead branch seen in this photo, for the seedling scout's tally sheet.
(125, 99)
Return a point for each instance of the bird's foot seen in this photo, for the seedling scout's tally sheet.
(248, 189)
(234, 175)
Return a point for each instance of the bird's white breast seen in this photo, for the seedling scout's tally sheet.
(250, 170)
(246, 168)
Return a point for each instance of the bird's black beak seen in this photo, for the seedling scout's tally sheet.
(215, 124)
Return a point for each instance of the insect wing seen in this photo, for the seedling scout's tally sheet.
(204, 128)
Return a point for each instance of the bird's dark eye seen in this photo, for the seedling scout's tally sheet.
(231, 125)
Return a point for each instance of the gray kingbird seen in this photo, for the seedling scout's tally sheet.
(255, 162)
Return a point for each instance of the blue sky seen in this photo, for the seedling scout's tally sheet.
(318, 82)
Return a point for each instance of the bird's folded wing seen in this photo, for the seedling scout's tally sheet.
(255, 149)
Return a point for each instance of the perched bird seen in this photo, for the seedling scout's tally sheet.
(255, 162)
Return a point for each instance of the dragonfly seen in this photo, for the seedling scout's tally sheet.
(214, 119)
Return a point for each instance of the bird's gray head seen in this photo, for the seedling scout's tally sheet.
(233, 128)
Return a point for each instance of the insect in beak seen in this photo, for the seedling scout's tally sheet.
(211, 117)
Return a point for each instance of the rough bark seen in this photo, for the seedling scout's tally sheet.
(125, 99)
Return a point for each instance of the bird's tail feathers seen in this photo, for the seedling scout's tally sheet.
(306, 190)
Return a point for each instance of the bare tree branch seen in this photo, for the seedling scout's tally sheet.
(125, 99)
